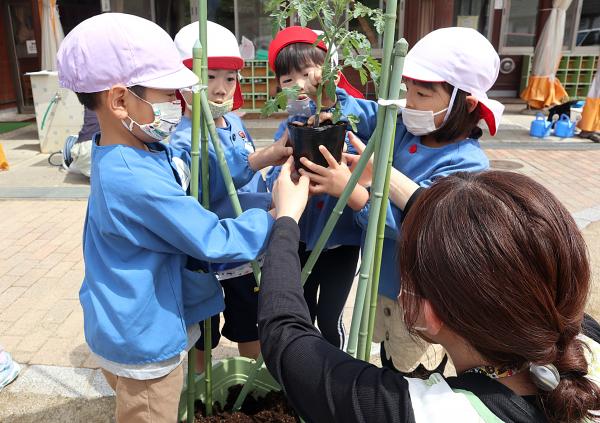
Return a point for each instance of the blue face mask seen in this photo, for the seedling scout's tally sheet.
(299, 107)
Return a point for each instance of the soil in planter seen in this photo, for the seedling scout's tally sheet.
(272, 408)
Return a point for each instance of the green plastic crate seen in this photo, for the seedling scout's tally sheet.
(226, 373)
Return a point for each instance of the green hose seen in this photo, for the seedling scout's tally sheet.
(53, 101)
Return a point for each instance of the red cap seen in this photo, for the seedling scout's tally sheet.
(230, 63)
(301, 34)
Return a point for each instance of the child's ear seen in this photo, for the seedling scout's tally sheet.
(472, 103)
(116, 101)
(337, 79)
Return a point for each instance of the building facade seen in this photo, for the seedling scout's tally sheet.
(512, 26)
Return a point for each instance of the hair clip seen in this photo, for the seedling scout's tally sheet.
(545, 377)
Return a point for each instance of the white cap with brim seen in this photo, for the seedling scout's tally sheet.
(463, 58)
(116, 48)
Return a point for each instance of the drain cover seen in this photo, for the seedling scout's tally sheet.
(505, 165)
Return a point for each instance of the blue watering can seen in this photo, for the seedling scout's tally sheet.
(564, 127)
(540, 127)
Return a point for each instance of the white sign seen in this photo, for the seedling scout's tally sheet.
(498, 4)
(105, 5)
(31, 47)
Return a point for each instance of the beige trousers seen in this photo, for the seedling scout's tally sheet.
(147, 401)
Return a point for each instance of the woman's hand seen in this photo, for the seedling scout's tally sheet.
(333, 179)
(289, 196)
(366, 177)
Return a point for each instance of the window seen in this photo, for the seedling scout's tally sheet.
(254, 23)
(473, 14)
(519, 26)
(588, 30)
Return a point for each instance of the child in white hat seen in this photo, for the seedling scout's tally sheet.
(140, 304)
(447, 75)
(244, 162)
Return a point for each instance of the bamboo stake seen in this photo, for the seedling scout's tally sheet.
(383, 217)
(377, 189)
(203, 117)
(364, 325)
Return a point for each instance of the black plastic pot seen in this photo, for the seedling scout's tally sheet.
(305, 141)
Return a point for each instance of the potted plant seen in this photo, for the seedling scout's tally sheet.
(354, 48)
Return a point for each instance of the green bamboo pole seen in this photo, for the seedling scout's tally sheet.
(388, 45)
(195, 156)
(398, 67)
(249, 384)
(377, 189)
(202, 61)
(364, 324)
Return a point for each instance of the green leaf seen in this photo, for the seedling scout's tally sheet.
(337, 113)
(378, 20)
(364, 78)
(270, 107)
(360, 10)
(353, 120)
(330, 89)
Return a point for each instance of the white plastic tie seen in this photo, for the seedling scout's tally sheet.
(400, 103)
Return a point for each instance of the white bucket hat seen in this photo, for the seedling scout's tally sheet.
(222, 51)
(463, 58)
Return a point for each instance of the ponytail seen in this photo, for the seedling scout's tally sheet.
(575, 396)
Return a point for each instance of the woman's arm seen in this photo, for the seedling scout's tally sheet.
(323, 383)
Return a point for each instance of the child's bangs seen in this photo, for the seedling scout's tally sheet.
(296, 57)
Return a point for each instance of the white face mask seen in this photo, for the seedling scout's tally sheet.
(167, 116)
(218, 110)
(420, 122)
(299, 107)
(187, 93)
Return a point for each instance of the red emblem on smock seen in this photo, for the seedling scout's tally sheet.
(412, 149)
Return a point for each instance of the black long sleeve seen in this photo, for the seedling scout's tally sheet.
(322, 382)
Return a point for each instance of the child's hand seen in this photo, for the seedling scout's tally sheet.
(326, 180)
(310, 88)
(352, 160)
(290, 196)
(274, 155)
(333, 179)
(323, 116)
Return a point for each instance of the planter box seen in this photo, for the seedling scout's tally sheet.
(64, 117)
(227, 373)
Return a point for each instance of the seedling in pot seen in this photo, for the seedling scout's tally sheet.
(354, 48)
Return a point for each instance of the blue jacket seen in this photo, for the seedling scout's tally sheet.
(140, 227)
(237, 145)
(423, 165)
(319, 207)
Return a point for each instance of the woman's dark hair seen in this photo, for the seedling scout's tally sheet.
(297, 56)
(91, 100)
(504, 266)
(460, 120)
